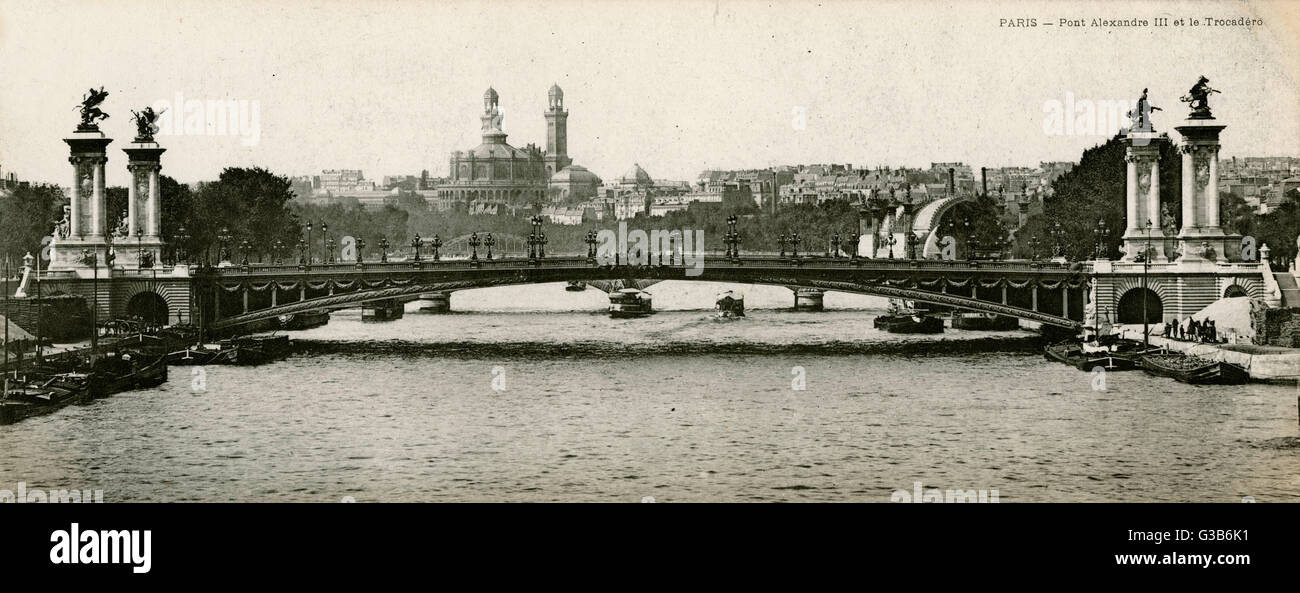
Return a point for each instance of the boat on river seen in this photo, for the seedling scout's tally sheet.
(972, 321)
(23, 399)
(124, 372)
(730, 304)
(1194, 369)
(629, 302)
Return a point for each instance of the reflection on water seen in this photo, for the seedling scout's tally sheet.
(679, 406)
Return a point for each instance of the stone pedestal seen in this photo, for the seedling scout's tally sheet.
(1201, 236)
(144, 208)
(1143, 225)
(85, 232)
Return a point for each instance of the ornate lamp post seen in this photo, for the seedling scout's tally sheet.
(489, 242)
(383, 250)
(325, 243)
(590, 240)
(224, 238)
(1101, 235)
(91, 258)
(912, 240)
(794, 242)
(302, 254)
(1057, 237)
(835, 245)
(308, 254)
(415, 244)
(182, 240)
(1033, 247)
(361, 246)
(437, 243)
(782, 241)
(854, 239)
(473, 245)
(245, 247)
(1146, 263)
(329, 248)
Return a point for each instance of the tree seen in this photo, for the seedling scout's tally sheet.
(253, 204)
(27, 215)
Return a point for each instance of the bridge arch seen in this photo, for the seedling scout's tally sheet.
(928, 219)
(150, 306)
(1131, 304)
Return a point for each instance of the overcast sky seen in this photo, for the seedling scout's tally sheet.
(393, 87)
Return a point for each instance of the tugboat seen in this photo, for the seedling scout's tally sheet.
(629, 302)
(969, 320)
(1194, 369)
(903, 320)
(731, 304)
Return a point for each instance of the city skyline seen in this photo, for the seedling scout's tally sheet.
(386, 88)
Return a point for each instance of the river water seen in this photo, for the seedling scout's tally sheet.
(533, 394)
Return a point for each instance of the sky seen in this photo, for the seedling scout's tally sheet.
(393, 87)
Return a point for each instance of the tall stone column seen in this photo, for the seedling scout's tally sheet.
(132, 196)
(1142, 193)
(86, 233)
(1201, 235)
(145, 158)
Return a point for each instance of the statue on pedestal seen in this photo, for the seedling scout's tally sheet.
(63, 226)
(145, 127)
(1198, 99)
(1141, 116)
(90, 111)
(123, 227)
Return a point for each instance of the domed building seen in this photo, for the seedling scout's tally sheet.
(636, 177)
(574, 182)
(496, 172)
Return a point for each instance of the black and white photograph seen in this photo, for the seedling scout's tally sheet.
(303, 253)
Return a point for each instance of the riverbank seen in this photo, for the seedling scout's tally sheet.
(1269, 364)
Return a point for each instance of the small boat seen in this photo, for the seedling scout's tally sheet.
(900, 320)
(19, 400)
(731, 304)
(1194, 369)
(304, 320)
(629, 302)
(968, 320)
(115, 374)
(576, 286)
(1092, 356)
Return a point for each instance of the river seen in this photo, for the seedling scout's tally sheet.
(533, 394)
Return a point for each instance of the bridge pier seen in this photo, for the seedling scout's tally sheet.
(808, 299)
(435, 302)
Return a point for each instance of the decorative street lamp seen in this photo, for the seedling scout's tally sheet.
(794, 242)
(1101, 235)
(325, 243)
(590, 240)
(473, 245)
(309, 255)
(224, 238)
(835, 245)
(1057, 237)
(302, 254)
(329, 248)
(182, 241)
(889, 242)
(415, 244)
(437, 243)
(383, 250)
(854, 239)
(782, 240)
(245, 247)
(489, 242)
(361, 246)
(277, 251)
(1033, 247)
(91, 258)
(912, 240)
(1146, 263)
